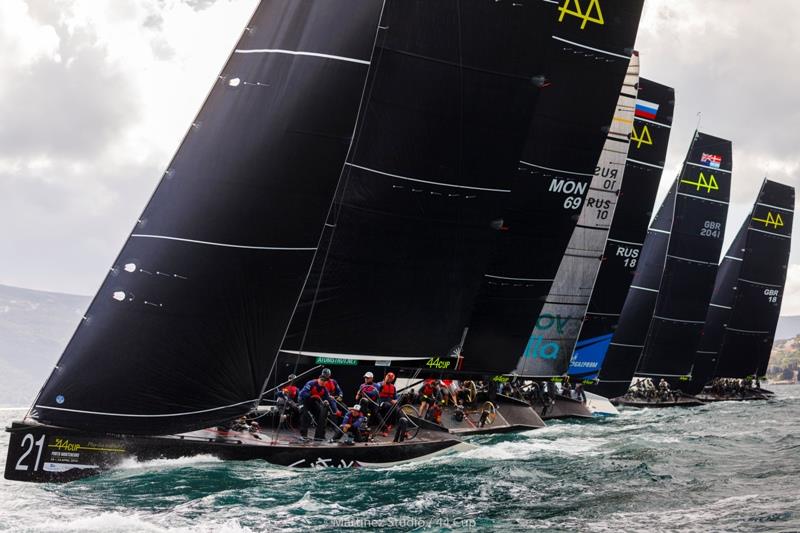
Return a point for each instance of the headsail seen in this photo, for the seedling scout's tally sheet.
(623, 251)
(558, 162)
(187, 324)
(557, 326)
(743, 314)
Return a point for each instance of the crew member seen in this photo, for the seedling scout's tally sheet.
(387, 399)
(429, 394)
(367, 395)
(316, 403)
(351, 425)
(287, 400)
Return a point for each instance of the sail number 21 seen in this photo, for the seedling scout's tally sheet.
(28, 442)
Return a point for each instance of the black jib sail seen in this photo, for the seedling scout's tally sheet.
(588, 57)
(187, 324)
(690, 267)
(447, 109)
(743, 313)
(675, 270)
(556, 329)
(646, 155)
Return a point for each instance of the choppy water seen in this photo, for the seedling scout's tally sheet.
(729, 466)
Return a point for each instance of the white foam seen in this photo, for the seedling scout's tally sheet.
(193, 460)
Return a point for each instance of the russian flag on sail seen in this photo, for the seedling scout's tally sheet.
(645, 109)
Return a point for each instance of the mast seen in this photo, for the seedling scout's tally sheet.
(590, 47)
(623, 251)
(743, 314)
(690, 264)
(184, 329)
(557, 326)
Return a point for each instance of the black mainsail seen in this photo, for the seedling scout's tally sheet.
(557, 326)
(184, 329)
(675, 274)
(744, 309)
(587, 59)
(446, 112)
(646, 155)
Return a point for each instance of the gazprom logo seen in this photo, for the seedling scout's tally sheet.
(537, 346)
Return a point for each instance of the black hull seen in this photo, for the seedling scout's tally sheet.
(50, 454)
(563, 408)
(710, 397)
(512, 416)
(684, 401)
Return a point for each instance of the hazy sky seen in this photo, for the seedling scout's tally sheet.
(95, 96)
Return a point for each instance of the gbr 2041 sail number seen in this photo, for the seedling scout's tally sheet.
(711, 229)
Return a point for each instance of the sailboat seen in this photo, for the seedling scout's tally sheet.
(556, 328)
(184, 333)
(662, 319)
(623, 252)
(743, 313)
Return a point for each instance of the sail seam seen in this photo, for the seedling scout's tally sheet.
(746, 331)
(557, 170)
(363, 357)
(645, 164)
(770, 233)
(733, 258)
(679, 320)
(515, 279)
(626, 345)
(654, 122)
(643, 288)
(439, 183)
(146, 416)
(776, 207)
(659, 230)
(300, 53)
(691, 260)
(557, 38)
(701, 198)
(721, 306)
(760, 283)
(226, 245)
(712, 169)
(626, 242)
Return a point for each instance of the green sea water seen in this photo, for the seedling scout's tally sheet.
(723, 467)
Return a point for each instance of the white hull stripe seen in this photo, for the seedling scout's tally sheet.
(776, 207)
(711, 169)
(626, 242)
(362, 357)
(659, 230)
(298, 53)
(590, 48)
(643, 288)
(653, 122)
(645, 164)
(733, 258)
(225, 245)
(760, 283)
(721, 306)
(559, 171)
(747, 331)
(679, 320)
(691, 260)
(770, 233)
(439, 183)
(147, 416)
(515, 279)
(626, 345)
(702, 198)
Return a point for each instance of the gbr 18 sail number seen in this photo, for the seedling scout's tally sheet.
(711, 229)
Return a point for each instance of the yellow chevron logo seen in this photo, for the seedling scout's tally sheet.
(641, 138)
(775, 220)
(593, 12)
(709, 184)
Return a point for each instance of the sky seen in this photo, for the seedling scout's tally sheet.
(96, 95)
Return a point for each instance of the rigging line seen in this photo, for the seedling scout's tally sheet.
(226, 245)
(330, 209)
(300, 53)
